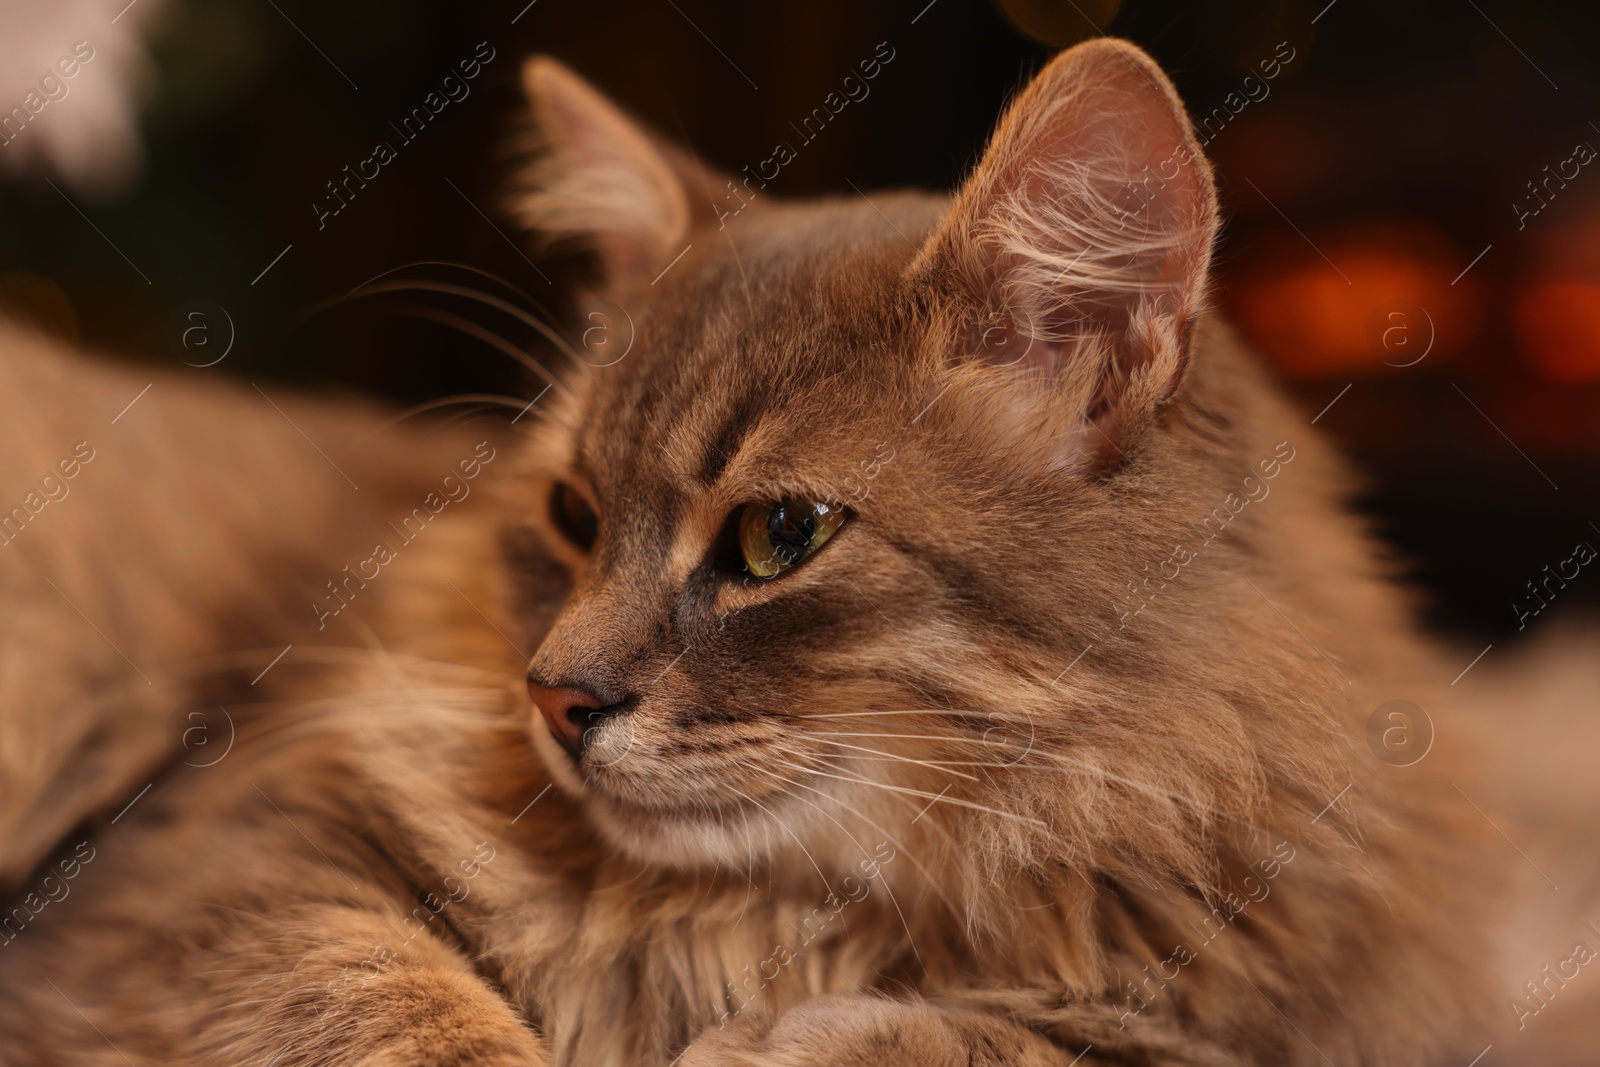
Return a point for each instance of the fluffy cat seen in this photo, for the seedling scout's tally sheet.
(946, 647)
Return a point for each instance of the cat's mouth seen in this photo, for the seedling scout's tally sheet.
(643, 780)
(694, 833)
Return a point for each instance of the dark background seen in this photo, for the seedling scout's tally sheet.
(1388, 155)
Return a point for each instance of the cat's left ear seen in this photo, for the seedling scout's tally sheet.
(607, 180)
(1077, 252)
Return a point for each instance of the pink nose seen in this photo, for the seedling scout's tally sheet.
(570, 713)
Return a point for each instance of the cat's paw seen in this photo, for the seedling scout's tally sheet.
(475, 1052)
(471, 1032)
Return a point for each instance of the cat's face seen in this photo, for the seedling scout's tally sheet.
(837, 523)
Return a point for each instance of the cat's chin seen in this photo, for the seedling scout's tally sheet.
(672, 836)
(667, 837)
(708, 830)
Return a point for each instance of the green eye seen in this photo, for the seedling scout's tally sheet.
(775, 537)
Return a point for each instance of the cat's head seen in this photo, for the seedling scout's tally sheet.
(848, 494)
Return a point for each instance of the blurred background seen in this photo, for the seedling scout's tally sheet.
(1411, 188)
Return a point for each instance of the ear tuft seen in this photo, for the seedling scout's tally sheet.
(598, 176)
(1079, 248)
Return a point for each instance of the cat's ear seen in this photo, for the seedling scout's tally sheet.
(1077, 252)
(601, 177)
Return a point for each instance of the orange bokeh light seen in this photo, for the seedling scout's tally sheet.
(1558, 329)
(1314, 319)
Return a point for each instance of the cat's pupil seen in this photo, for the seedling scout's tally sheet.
(790, 530)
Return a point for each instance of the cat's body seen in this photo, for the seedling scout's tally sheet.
(968, 787)
(159, 533)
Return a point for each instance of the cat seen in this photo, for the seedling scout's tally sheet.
(934, 641)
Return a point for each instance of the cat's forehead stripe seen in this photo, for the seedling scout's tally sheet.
(724, 443)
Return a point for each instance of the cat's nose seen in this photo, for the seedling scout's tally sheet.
(571, 713)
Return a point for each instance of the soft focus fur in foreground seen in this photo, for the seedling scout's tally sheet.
(1053, 754)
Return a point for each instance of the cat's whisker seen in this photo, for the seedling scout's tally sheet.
(791, 833)
(515, 403)
(453, 264)
(1000, 720)
(784, 784)
(477, 296)
(1148, 789)
(488, 337)
(863, 849)
(1074, 764)
(750, 867)
(943, 798)
(891, 756)
(928, 877)
(905, 711)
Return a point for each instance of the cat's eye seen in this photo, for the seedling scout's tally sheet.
(573, 516)
(776, 537)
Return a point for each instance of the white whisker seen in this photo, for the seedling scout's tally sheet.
(909, 939)
(792, 834)
(896, 758)
(943, 798)
(927, 875)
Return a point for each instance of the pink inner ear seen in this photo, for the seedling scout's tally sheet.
(1091, 214)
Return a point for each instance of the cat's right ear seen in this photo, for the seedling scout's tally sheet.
(600, 177)
(1076, 255)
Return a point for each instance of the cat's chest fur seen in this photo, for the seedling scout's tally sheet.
(616, 961)
(688, 954)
